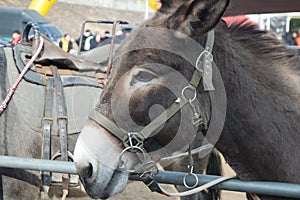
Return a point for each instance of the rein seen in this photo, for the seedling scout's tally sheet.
(134, 141)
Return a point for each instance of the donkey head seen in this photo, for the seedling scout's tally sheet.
(150, 71)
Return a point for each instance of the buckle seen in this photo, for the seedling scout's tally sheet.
(133, 140)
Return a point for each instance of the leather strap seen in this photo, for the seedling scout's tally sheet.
(210, 40)
(163, 117)
(47, 121)
(99, 118)
(122, 135)
(62, 121)
(206, 61)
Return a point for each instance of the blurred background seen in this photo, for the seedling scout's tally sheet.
(68, 15)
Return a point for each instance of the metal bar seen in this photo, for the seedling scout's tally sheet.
(83, 28)
(264, 188)
(38, 164)
(80, 39)
(176, 178)
(94, 22)
(109, 64)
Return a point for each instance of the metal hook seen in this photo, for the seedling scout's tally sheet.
(191, 169)
(192, 186)
(191, 88)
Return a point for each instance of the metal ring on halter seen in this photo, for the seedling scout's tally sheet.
(189, 87)
(186, 185)
(205, 52)
(122, 165)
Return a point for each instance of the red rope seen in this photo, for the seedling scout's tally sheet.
(15, 85)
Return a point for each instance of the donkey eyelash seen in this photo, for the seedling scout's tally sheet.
(144, 76)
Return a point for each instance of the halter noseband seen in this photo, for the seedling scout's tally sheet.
(134, 141)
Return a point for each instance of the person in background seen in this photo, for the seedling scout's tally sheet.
(296, 38)
(15, 37)
(65, 43)
(87, 43)
(105, 36)
(85, 35)
(95, 41)
(288, 39)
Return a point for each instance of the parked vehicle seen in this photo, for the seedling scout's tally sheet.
(16, 18)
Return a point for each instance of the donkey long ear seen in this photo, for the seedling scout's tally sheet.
(197, 17)
(168, 6)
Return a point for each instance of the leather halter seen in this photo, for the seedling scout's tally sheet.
(134, 141)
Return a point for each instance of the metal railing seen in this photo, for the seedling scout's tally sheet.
(176, 178)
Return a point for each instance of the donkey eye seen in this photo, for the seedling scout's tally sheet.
(144, 76)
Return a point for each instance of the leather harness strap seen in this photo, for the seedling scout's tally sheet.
(107, 124)
(62, 121)
(62, 118)
(147, 130)
(47, 129)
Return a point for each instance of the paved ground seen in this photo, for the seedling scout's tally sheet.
(69, 18)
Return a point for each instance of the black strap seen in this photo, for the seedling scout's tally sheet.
(1, 188)
(62, 114)
(62, 121)
(150, 182)
(47, 129)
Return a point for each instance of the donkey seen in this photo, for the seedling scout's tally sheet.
(260, 75)
(22, 123)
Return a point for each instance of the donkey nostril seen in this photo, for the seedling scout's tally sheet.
(89, 172)
(86, 171)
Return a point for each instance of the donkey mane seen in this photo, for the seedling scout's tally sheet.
(251, 36)
(265, 58)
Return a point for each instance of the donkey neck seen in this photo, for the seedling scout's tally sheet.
(260, 135)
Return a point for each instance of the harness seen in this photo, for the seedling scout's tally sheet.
(134, 141)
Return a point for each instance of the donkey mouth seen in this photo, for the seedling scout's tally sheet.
(101, 181)
(101, 178)
(102, 189)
